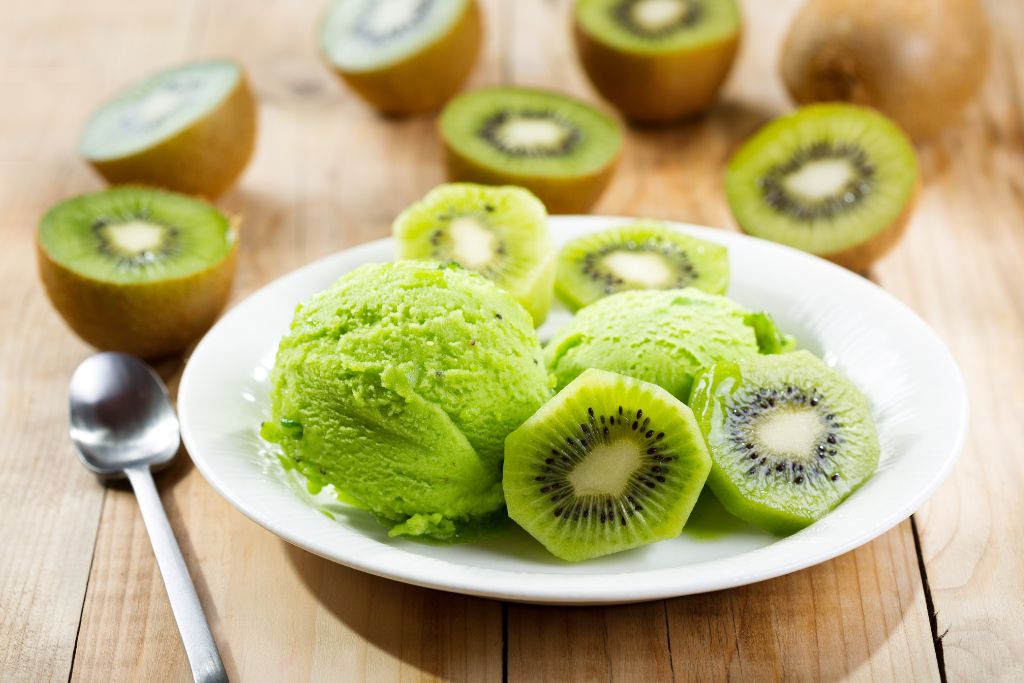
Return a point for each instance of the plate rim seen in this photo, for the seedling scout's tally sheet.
(591, 588)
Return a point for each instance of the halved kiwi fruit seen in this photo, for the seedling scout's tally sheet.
(835, 180)
(137, 270)
(657, 60)
(561, 149)
(790, 438)
(402, 56)
(610, 463)
(191, 129)
(642, 255)
(500, 232)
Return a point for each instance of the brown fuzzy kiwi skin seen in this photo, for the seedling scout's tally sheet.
(654, 89)
(860, 257)
(573, 195)
(150, 320)
(918, 61)
(422, 82)
(203, 159)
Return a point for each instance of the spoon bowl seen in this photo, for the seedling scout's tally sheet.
(121, 415)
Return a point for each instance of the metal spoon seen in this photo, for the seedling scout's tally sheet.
(122, 422)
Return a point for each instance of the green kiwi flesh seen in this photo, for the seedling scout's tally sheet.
(835, 180)
(500, 232)
(790, 438)
(610, 463)
(642, 255)
(559, 148)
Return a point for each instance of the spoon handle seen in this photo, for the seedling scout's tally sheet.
(200, 647)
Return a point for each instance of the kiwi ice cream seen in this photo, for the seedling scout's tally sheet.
(660, 336)
(399, 384)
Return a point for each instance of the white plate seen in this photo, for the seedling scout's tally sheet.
(915, 387)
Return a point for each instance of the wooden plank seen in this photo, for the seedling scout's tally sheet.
(52, 71)
(960, 268)
(328, 173)
(861, 616)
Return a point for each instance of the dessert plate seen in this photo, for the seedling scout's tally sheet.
(915, 388)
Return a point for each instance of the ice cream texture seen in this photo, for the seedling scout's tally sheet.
(398, 386)
(660, 336)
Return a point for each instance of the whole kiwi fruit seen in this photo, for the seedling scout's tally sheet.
(918, 61)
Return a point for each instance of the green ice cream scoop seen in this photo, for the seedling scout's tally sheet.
(660, 336)
(399, 384)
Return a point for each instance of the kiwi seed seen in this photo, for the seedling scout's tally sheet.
(641, 255)
(550, 135)
(600, 438)
(776, 194)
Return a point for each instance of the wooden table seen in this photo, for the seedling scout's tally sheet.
(941, 595)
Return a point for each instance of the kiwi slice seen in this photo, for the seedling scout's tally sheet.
(643, 255)
(657, 60)
(500, 232)
(190, 129)
(137, 270)
(837, 180)
(402, 56)
(610, 463)
(790, 438)
(562, 150)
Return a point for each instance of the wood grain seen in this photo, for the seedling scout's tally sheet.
(960, 267)
(49, 505)
(80, 595)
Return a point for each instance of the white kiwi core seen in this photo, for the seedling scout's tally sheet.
(643, 269)
(473, 245)
(656, 15)
(820, 179)
(606, 469)
(790, 433)
(532, 133)
(157, 105)
(135, 238)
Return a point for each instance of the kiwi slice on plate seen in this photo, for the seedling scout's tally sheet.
(836, 180)
(790, 438)
(642, 255)
(402, 56)
(500, 232)
(610, 463)
(190, 129)
(137, 270)
(657, 60)
(561, 149)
